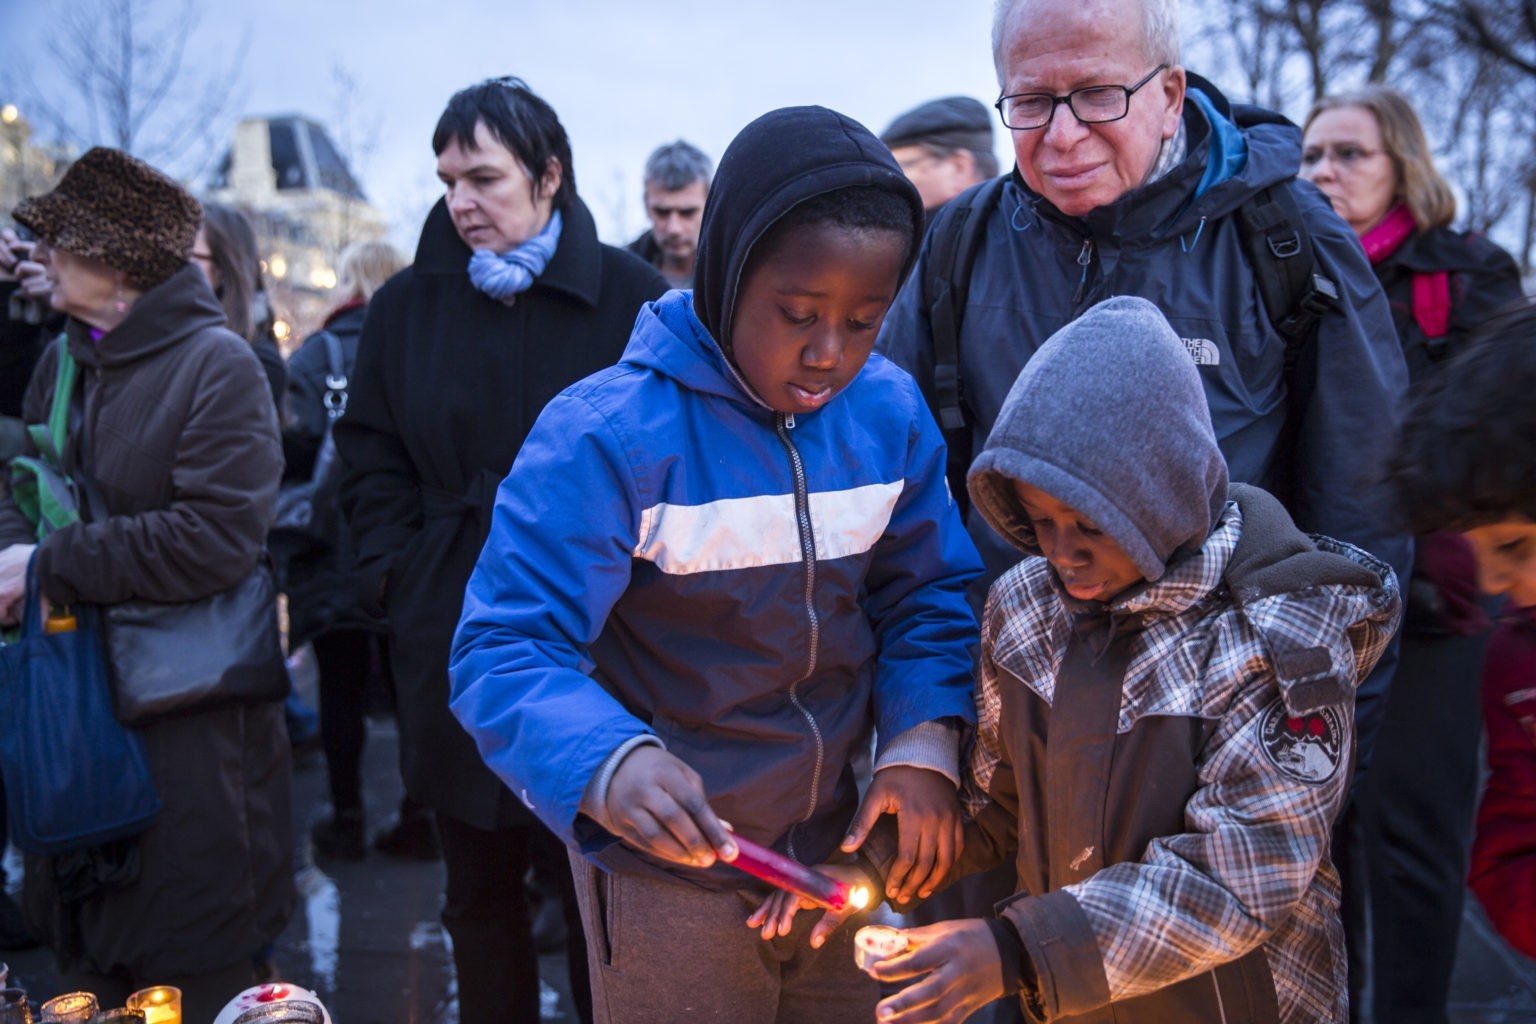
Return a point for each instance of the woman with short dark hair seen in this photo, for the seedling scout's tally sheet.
(511, 299)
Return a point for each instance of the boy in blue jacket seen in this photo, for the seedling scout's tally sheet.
(712, 571)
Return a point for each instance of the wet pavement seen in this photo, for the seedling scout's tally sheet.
(366, 937)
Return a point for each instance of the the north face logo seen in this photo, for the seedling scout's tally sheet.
(1203, 351)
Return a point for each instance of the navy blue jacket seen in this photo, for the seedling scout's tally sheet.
(1175, 242)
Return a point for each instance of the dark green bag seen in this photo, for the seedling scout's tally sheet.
(41, 489)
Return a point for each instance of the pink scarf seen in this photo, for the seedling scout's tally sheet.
(1393, 230)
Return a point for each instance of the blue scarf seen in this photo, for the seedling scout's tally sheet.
(503, 276)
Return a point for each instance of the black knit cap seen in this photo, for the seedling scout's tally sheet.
(117, 209)
(779, 160)
(954, 122)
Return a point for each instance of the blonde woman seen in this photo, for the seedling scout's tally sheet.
(319, 575)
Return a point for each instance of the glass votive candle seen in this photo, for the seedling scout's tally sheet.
(13, 1006)
(69, 1008)
(161, 1004)
(121, 1015)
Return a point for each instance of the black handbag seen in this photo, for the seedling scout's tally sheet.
(177, 658)
(74, 777)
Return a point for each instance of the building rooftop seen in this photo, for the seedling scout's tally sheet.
(301, 156)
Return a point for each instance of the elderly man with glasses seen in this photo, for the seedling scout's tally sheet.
(1134, 177)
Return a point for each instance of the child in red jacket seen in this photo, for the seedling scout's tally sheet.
(1468, 462)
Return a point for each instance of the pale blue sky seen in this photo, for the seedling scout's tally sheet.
(624, 76)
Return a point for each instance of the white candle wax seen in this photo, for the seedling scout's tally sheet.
(874, 943)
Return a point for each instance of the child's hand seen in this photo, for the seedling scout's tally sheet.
(656, 804)
(963, 968)
(777, 914)
(929, 829)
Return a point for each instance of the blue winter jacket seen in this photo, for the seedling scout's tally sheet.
(669, 556)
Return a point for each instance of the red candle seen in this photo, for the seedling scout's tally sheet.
(793, 877)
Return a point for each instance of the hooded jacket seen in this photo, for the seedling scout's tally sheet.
(1175, 242)
(670, 558)
(1203, 889)
(1164, 768)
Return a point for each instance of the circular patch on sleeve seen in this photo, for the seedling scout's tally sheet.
(1308, 748)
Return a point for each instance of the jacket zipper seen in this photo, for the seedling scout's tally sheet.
(1084, 259)
(784, 423)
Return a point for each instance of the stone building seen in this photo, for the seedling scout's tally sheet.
(27, 168)
(306, 207)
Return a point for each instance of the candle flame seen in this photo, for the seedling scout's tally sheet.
(859, 897)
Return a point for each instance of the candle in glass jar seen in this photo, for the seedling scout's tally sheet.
(161, 1004)
(793, 877)
(69, 1008)
(121, 1015)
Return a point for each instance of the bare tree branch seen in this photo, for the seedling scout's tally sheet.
(127, 82)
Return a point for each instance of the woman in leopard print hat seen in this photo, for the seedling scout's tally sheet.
(183, 445)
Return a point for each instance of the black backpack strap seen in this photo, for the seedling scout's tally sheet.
(335, 397)
(957, 234)
(1279, 247)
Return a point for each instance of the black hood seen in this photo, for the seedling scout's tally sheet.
(783, 158)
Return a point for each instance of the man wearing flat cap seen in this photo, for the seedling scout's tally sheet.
(944, 147)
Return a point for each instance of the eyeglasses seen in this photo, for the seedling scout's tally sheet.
(1094, 104)
(1344, 154)
(913, 163)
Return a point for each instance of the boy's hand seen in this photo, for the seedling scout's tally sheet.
(963, 968)
(777, 914)
(928, 825)
(656, 804)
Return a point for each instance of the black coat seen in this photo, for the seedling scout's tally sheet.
(1442, 594)
(448, 383)
(319, 578)
(1483, 277)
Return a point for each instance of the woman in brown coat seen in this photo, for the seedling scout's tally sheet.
(181, 438)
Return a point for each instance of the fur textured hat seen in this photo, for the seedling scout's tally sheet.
(117, 209)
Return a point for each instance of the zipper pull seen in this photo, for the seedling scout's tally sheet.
(1084, 258)
(789, 421)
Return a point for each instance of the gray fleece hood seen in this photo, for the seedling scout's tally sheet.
(1109, 417)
